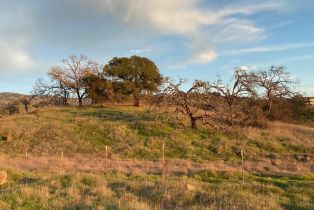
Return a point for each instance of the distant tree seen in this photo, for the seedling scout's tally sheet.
(277, 83)
(38, 90)
(70, 75)
(97, 87)
(55, 90)
(12, 108)
(134, 75)
(26, 101)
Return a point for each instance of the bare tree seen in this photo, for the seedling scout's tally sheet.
(26, 101)
(277, 83)
(37, 91)
(195, 103)
(53, 90)
(241, 86)
(70, 76)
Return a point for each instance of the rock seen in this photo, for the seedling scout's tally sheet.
(10, 137)
(190, 187)
(3, 177)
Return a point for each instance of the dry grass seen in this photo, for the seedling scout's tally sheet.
(3, 177)
(202, 167)
(42, 190)
(97, 164)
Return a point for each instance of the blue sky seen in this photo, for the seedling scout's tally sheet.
(191, 39)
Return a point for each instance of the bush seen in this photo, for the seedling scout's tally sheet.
(12, 109)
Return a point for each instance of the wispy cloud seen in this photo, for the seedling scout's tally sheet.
(189, 20)
(276, 48)
(246, 9)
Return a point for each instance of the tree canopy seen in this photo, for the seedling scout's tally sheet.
(134, 75)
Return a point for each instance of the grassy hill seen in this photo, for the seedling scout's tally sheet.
(212, 179)
(134, 133)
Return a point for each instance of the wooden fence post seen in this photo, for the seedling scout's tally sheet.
(163, 158)
(61, 162)
(106, 159)
(242, 163)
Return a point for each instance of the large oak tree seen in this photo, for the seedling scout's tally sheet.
(135, 75)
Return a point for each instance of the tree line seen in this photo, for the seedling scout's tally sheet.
(249, 97)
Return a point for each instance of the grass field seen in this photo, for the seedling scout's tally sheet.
(204, 190)
(203, 166)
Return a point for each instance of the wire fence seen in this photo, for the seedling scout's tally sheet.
(239, 171)
(273, 164)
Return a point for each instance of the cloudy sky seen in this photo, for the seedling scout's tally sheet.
(191, 39)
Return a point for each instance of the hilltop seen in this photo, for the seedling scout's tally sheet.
(6, 97)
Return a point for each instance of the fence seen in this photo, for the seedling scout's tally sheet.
(297, 164)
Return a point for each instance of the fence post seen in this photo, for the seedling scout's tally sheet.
(163, 158)
(242, 162)
(62, 162)
(106, 159)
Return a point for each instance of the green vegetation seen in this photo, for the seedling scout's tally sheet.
(26, 190)
(133, 133)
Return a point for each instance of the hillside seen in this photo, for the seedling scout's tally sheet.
(6, 97)
(133, 133)
(55, 158)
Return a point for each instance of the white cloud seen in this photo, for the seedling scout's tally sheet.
(15, 24)
(187, 19)
(13, 58)
(140, 51)
(205, 57)
(167, 16)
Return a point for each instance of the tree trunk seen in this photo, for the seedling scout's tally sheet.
(65, 98)
(80, 101)
(79, 97)
(136, 100)
(270, 109)
(26, 107)
(193, 123)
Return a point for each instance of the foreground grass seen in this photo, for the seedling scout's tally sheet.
(133, 133)
(205, 190)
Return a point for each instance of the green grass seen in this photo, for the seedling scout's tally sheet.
(205, 190)
(134, 133)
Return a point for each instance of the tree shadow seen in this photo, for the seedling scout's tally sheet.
(116, 115)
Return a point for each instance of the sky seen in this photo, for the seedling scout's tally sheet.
(189, 39)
